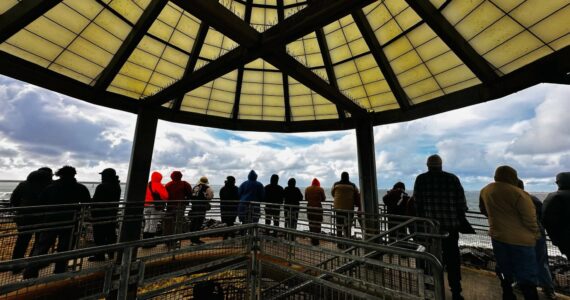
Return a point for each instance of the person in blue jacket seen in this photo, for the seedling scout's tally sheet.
(250, 191)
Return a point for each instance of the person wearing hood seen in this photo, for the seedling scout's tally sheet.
(202, 193)
(293, 197)
(315, 196)
(156, 194)
(556, 213)
(64, 191)
(250, 193)
(104, 213)
(514, 231)
(439, 195)
(179, 193)
(344, 193)
(396, 201)
(273, 201)
(228, 203)
(27, 193)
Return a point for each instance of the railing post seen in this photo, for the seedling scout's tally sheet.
(125, 272)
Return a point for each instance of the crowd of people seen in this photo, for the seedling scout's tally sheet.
(518, 221)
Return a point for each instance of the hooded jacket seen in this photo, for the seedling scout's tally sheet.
(556, 212)
(510, 211)
(251, 189)
(108, 191)
(273, 191)
(344, 193)
(157, 188)
(396, 201)
(292, 194)
(315, 194)
(178, 189)
(27, 193)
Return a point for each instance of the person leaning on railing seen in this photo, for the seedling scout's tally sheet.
(228, 203)
(315, 196)
(156, 194)
(556, 214)
(179, 192)
(202, 193)
(273, 200)
(344, 192)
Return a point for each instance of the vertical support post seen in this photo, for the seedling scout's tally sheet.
(139, 169)
(367, 177)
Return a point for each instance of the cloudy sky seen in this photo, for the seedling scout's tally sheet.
(528, 130)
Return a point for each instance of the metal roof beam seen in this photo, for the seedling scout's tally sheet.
(21, 15)
(192, 60)
(381, 59)
(439, 24)
(284, 77)
(295, 69)
(131, 42)
(253, 44)
(239, 79)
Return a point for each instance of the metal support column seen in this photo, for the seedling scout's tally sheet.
(131, 226)
(139, 170)
(367, 176)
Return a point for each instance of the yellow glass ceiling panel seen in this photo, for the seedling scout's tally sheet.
(498, 33)
(397, 48)
(5, 5)
(307, 51)
(444, 62)
(70, 73)
(90, 52)
(533, 11)
(457, 10)
(123, 92)
(161, 30)
(508, 5)
(414, 75)
(422, 88)
(420, 35)
(526, 59)
(512, 49)
(88, 9)
(407, 18)
(454, 76)
(548, 32)
(34, 44)
(216, 44)
(461, 85)
(129, 9)
(384, 102)
(250, 110)
(68, 17)
(236, 7)
(24, 55)
(482, 17)
(344, 40)
(426, 97)
(103, 39)
(113, 24)
(51, 31)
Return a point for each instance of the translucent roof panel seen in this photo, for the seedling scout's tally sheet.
(285, 64)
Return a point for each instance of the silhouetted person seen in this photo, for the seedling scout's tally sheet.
(65, 190)
(556, 214)
(229, 203)
(202, 193)
(27, 193)
(273, 201)
(179, 194)
(396, 201)
(250, 191)
(293, 197)
(541, 251)
(105, 215)
(344, 193)
(439, 195)
(315, 196)
(154, 205)
(513, 230)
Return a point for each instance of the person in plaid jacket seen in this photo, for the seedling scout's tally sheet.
(440, 196)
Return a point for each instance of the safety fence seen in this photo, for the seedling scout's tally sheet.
(250, 261)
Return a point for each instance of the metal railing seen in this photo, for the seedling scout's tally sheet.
(239, 257)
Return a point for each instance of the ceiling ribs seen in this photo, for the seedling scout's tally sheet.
(255, 45)
(285, 78)
(21, 15)
(239, 80)
(192, 60)
(439, 24)
(129, 44)
(381, 59)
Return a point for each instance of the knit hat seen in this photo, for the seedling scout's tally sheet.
(434, 161)
(204, 180)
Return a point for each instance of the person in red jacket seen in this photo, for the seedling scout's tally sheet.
(179, 192)
(153, 204)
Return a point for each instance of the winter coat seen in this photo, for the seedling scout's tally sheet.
(178, 190)
(250, 191)
(108, 191)
(396, 202)
(556, 212)
(228, 200)
(157, 188)
(511, 214)
(27, 193)
(344, 194)
(64, 191)
(315, 194)
(273, 191)
(198, 201)
(292, 194)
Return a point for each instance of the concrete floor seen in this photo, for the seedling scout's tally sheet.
(480, 284)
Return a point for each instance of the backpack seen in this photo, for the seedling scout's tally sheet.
(199, 193)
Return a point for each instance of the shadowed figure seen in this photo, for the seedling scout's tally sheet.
(228, 203)
(273, 201)
(250, 191)
(315, 196)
